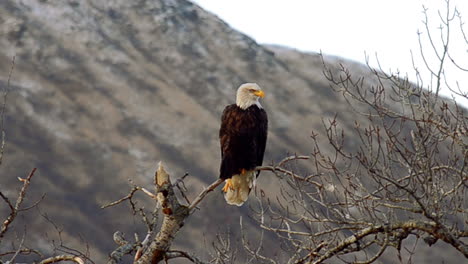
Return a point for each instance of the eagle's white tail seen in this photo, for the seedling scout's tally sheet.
(241, 184)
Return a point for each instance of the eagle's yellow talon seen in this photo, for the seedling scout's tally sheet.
(227, 186)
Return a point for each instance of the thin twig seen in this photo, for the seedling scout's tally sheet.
(19, 248)
(7, 201)
(130, 196)
(182, 254)
(202, 195)
(23, 251)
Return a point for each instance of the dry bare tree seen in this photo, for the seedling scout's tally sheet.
(400, 174)
(156, 245)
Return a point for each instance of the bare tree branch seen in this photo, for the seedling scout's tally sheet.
(202, 195)
(14, 211)
(130, 196)
(60, 258)
(182, 254)
(19, 249)
(124, 248)
(429, 227)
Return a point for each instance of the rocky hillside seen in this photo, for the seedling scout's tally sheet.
(103, 90)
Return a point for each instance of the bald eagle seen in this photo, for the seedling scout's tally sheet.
(243, 136)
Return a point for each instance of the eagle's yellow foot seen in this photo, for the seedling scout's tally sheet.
(227, 186)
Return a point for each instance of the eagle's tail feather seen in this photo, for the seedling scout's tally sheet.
(239, 188)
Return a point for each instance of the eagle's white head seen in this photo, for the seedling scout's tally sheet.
(248, 95)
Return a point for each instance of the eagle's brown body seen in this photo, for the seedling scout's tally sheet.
(243, 136)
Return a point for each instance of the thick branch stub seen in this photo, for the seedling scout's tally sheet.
(161, 177)
(174, 217)
(175, 214)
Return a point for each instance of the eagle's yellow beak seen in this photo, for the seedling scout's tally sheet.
(259, 93)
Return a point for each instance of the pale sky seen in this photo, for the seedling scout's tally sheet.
(351, 29)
